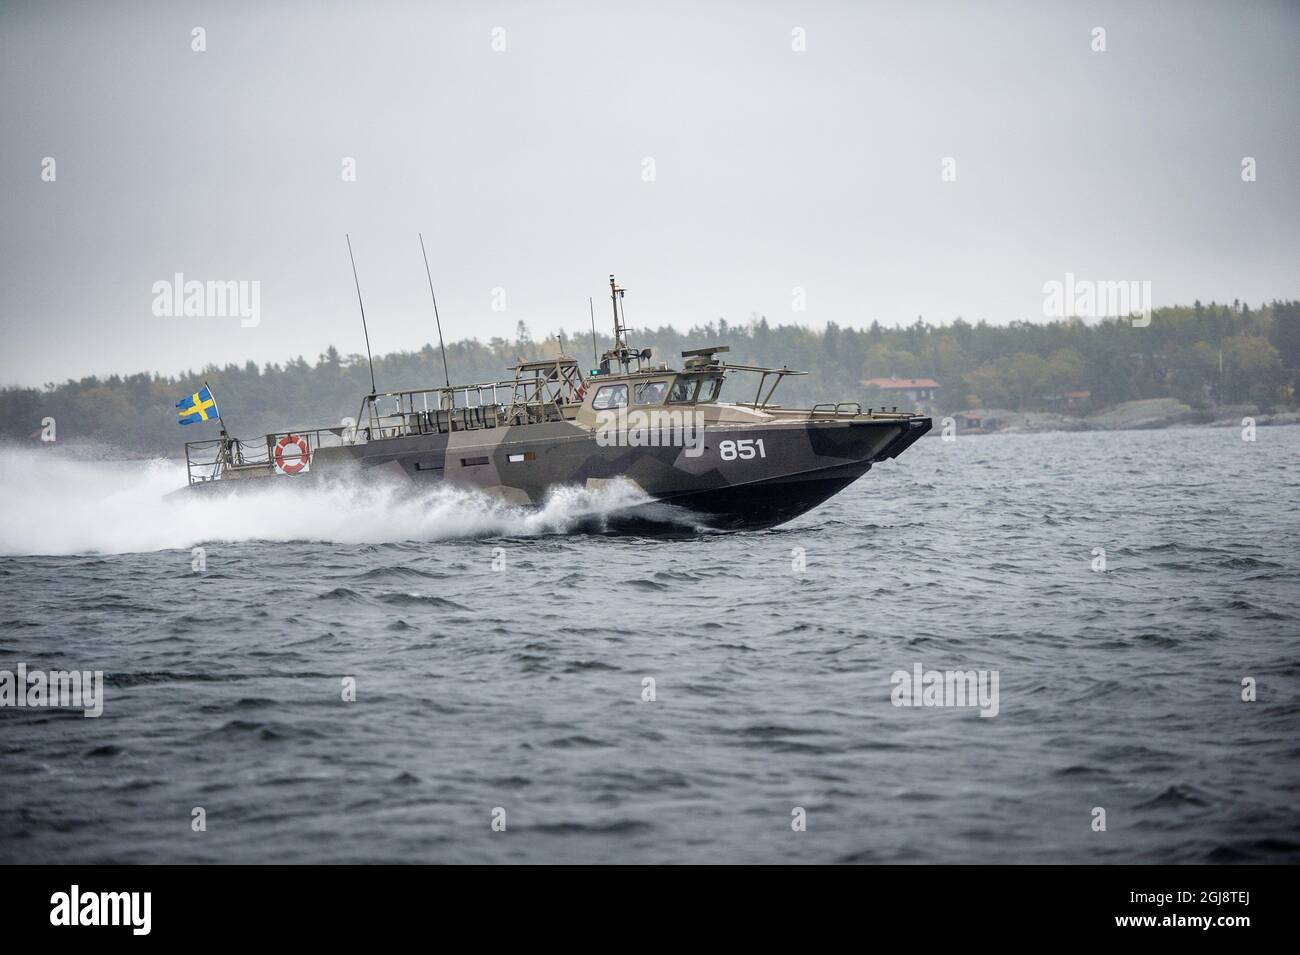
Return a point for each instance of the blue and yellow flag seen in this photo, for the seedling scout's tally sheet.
(200, 406)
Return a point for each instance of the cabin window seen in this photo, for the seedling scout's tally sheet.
(651, 392)
(470, 462)
(709, 389)
(610, 396)
(683, 391)
(521, 458)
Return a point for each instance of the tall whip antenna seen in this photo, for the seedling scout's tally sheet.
(591, 307)
(441, 347)
(373, 389)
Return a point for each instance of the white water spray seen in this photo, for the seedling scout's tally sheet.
(53, 501)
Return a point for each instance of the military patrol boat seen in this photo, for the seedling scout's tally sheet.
(741, 464)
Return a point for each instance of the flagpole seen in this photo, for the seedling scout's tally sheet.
(227, 442)
(217, 403)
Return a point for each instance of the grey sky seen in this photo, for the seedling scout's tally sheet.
(775, 169)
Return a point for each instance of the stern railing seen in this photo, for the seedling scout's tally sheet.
(219, 458)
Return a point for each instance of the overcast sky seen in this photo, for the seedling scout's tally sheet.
(775, 169)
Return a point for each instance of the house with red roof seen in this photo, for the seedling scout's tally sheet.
(915, 389)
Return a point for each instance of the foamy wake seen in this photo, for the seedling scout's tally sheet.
(56, 501)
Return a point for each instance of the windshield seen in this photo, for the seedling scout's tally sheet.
(651, 392)
(709, 389)
(610, 396)
(683, 390)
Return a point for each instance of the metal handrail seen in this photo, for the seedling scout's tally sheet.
(777, 375)
(212, 458)
(848, 408)
(429, 408)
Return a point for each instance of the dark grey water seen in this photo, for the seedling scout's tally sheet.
(520, 686)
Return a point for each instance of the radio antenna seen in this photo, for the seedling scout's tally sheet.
(441, 347)
(370, 359)
(591, 307)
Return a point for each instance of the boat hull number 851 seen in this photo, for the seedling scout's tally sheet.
(745, 449)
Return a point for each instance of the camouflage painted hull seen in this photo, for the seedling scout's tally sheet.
(791, 466)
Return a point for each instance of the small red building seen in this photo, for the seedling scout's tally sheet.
(917, 389)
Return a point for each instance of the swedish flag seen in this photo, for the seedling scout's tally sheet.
(200, 406)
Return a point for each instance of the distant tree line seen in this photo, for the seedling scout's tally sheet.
(1202, 354)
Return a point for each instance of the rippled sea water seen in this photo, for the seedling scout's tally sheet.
(499, 660)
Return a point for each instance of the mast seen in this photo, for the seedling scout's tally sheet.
(620, 329)
(373, 389)
(441, 347)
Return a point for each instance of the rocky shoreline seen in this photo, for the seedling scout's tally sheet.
(1126, 416)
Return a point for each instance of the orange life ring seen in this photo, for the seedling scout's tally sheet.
(292, 467)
